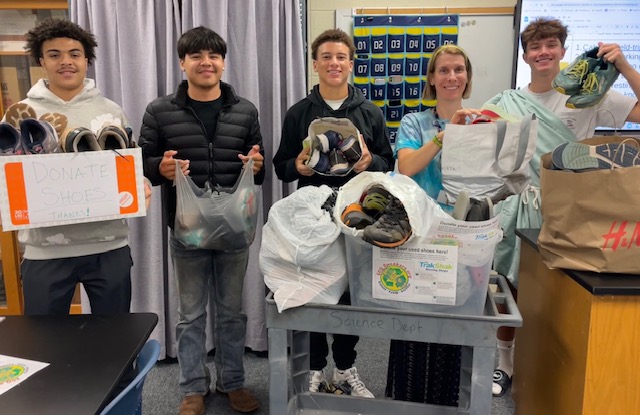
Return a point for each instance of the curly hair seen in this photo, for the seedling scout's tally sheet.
(543, 28)
(58, 28)
(333, 35)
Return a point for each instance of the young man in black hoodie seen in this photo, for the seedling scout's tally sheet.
(333, 53)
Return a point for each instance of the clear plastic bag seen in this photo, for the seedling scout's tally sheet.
(218, 219)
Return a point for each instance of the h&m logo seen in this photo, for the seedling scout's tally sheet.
(618, 236)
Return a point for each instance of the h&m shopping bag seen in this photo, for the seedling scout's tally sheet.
(489, 158)
(218, 219)
(591, 219)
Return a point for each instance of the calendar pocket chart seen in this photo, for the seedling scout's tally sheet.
(392, 54)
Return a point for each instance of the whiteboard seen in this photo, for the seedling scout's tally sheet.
(488, 39)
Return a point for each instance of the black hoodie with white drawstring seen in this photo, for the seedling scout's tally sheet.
(365, 115)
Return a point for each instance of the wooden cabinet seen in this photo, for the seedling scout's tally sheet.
(17, 75)
(10, 287)
(578, 351)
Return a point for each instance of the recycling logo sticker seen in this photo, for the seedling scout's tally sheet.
(11, 373)
(394, 277)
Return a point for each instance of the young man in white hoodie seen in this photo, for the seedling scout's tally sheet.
(95, 254)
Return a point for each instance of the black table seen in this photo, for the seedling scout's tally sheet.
(88, 354)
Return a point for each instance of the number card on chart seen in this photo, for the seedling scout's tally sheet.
(60, 189)
(392, 54)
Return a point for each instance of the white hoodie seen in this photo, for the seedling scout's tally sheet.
(91, 110)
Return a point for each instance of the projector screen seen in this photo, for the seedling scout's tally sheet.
(589, 22)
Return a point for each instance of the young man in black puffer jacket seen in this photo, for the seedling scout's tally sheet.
(212, 133)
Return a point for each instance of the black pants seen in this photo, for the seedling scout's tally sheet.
(343, 347)
(49, 284)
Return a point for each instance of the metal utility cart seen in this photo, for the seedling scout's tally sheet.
(288, 372)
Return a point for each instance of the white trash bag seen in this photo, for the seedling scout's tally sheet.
(302, 255)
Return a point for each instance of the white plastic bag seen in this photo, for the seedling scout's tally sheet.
(302, 255)
(223, 219)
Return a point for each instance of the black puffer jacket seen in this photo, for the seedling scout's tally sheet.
(170, 124)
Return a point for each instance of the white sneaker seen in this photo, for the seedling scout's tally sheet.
(317, 381)
(349, 381)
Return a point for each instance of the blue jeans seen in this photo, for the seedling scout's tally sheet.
(196, 271)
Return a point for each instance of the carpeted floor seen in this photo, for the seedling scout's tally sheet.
(161, 395)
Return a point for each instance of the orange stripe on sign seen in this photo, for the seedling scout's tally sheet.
(17, 193)
(127, 194)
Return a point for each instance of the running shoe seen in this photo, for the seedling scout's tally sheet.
(580, 157)
(350, 147)
(338, 162)
(375, 200)
(79, 139)
(10, 141)
(327, 141)
(354, 217)
(569, 80)
(392, 229)
(112, 137)
(38, 137)
(596, 84)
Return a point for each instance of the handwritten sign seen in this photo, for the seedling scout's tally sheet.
(59, 189)
(380, 323)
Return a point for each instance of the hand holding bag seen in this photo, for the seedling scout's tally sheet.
(489, 158)
(218, 219)
(591, 219)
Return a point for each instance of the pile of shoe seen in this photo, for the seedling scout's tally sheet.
(381, 216)
(587, 79)
(579, 157)
(334, 146)
(331, 153)
(25, 133)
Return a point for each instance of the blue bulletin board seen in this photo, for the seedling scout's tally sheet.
(392, 53)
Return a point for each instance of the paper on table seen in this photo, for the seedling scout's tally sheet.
(14, 370)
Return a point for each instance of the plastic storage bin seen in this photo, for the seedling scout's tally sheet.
(289, 353)
(471, 287)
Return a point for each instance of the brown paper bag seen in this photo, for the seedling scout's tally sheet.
(591, 218)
